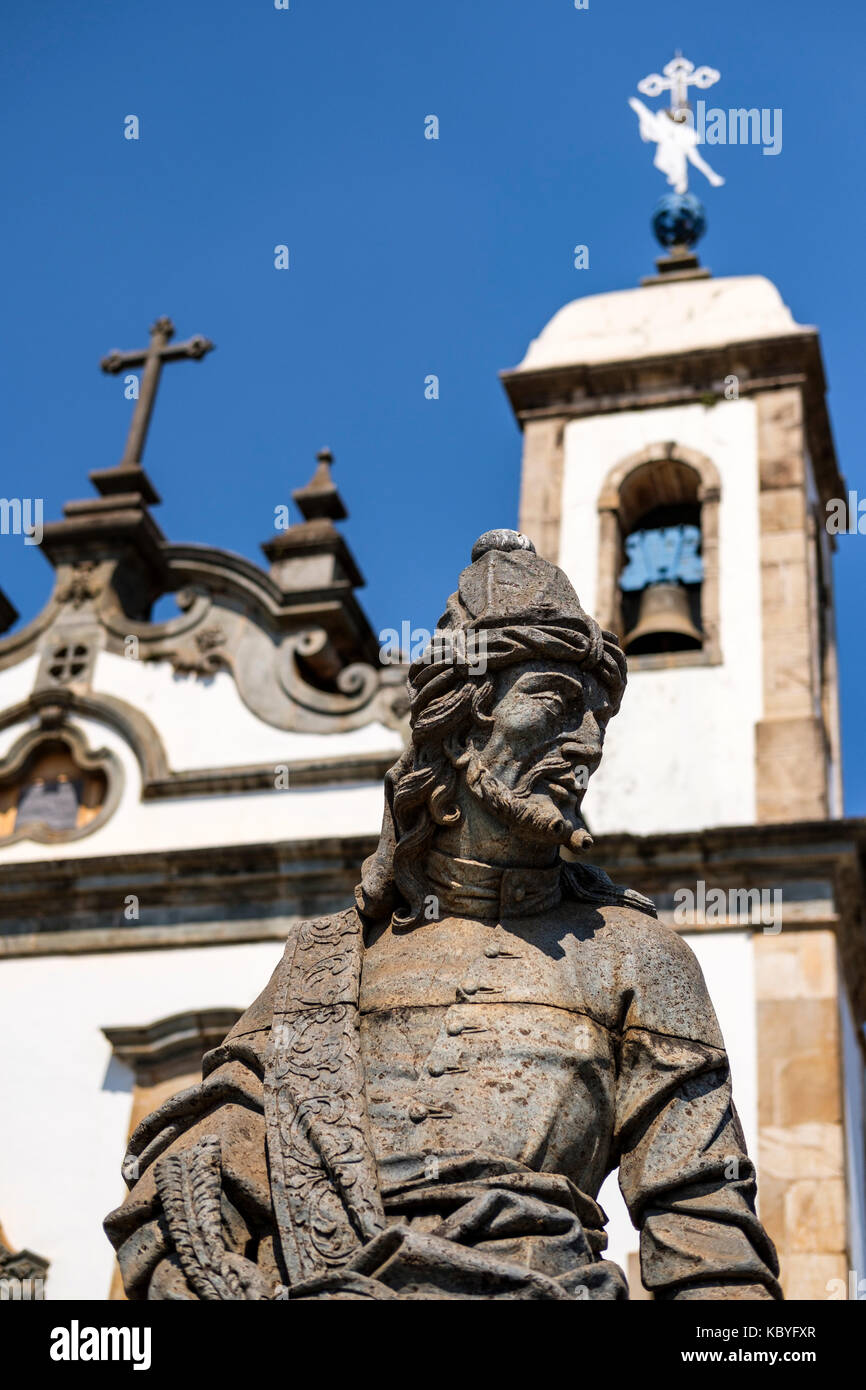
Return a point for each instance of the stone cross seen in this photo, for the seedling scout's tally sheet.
(161, 350)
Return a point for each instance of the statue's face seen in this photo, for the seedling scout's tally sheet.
(546, 740)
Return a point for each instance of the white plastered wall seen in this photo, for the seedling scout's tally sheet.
(203, 722)
(680, 754)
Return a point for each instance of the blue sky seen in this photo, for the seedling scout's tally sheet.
(408, 256)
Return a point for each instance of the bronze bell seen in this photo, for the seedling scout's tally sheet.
(664, 622)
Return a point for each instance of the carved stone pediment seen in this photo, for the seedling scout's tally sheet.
(294, 638)
(294, 680)
(81, 584)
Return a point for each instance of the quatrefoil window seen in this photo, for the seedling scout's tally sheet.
(68, 662)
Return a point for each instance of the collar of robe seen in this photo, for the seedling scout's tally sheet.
(467, 888)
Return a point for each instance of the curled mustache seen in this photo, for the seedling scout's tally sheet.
(554, 763)
(539, 819)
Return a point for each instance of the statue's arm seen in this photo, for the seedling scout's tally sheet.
(684, 1171)
(204, 1148)
(648, 122)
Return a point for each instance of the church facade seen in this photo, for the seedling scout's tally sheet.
(173, 794)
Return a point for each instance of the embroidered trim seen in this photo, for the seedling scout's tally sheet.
(324, 1182)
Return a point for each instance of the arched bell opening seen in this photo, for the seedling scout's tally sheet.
(658, 517)
(662, 571)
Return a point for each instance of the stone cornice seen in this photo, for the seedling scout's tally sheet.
(332, 606)
(187, 897)
(254, 892)
(21, 644)
(57, 708)
(807, 843)
(311, 772)
(694, 377)
(157, 1049)
(296, 641)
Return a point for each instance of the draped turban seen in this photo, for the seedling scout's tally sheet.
(512, 606)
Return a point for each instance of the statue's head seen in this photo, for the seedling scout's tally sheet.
(508, 710)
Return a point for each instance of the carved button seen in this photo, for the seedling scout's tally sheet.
(519, 894)
(445, 1069)
(469, 991)
(417, 1113)
(455, 1026)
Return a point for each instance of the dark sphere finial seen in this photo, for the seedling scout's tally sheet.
(679, 220)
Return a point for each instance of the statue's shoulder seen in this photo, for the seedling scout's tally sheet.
(633, 933)
(659, 976)
(642, 963)
(259, 1016)
(627, 935)
(305, 934)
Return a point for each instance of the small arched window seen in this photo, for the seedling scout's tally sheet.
(52, 788)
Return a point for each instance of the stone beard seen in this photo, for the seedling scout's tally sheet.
(426, 1098)
(536, 817)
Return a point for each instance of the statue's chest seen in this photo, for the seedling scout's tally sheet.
(475, 1036)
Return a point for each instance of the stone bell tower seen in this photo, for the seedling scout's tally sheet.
(677, 460)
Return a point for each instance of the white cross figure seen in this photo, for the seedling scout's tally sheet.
(679, 75)
(669, 129)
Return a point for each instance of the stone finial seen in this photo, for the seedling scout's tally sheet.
(501, 539)
(320, 498)
(311, 554)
